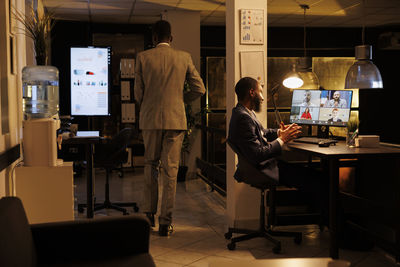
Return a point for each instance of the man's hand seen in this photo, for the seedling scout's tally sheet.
(289, 132)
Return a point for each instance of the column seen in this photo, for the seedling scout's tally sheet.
(242, 200)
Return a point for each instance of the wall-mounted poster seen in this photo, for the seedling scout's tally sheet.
(252, 65)
(252, 26)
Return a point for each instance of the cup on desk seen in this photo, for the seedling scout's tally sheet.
(350, 139)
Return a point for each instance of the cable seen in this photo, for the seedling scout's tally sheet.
(363, 27)
(304, 7)
(12, 175)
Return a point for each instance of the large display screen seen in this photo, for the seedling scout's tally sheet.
(90, 81)
(321, 107)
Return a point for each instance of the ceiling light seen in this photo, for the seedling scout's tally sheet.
(303, 70)
(363, 74)
(292, 79)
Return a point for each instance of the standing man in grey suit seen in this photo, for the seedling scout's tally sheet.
(160, 75)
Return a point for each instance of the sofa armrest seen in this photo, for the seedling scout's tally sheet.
(92, 238)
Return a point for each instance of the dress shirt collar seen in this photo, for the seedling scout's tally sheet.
(162, 44)
(252, 114)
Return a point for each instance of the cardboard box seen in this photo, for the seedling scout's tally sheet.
(367, 141)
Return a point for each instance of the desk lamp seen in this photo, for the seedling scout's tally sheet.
(274, 90)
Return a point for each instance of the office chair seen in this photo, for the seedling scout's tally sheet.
(109, 156)
(261, 181)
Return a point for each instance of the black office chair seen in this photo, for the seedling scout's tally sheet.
(261, 181)
(109, 156)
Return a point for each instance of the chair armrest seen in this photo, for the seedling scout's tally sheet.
(91, 238)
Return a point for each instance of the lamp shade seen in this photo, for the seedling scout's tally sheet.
(302, 76)
(310, 79)
(363, 74)
(292, 79)
(293, 82)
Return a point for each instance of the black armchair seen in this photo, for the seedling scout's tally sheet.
(111, 241)
(109, 156)
(261, 181)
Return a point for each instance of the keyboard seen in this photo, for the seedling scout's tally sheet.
(314, 140)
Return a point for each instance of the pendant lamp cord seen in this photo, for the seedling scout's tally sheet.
(304, 7)
(363, 27)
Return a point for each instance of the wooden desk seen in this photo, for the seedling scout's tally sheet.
(330, 157)
(89, 143)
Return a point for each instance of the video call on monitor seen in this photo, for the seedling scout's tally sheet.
(321, 107)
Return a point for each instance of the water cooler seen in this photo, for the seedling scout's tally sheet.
(44, 184)
(40, 107)
(40, 142)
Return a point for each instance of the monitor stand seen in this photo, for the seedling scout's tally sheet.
(323, 131)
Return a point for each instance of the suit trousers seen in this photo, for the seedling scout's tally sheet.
(161, 159)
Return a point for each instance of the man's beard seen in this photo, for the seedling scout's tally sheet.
(257, 104)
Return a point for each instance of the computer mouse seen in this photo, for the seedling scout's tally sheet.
(323, 144)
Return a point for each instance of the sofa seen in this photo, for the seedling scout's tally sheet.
(109, 241)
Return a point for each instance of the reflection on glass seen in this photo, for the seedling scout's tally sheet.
(216, 139)
(216, 82)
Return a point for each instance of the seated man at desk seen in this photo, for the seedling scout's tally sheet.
(262, 146)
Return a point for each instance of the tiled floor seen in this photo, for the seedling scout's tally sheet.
(199, 224)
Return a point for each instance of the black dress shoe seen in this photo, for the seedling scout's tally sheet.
(165, 229)
(150, 216)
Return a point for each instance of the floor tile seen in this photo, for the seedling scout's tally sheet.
(200, 224)
(181, 256)
(160, 263)
(204, 262)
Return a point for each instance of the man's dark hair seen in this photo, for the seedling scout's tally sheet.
(162, 29)
(244, 85)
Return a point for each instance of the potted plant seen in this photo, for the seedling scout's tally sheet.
(38, 28)
(40, 80)
(191, 120)
(352, 131)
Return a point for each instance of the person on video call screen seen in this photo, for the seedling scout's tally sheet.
(334, 117)
(306, 114)
(336, 101)
(307, 99)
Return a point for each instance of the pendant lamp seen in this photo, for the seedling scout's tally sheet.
(363, 74)
(292, 79)
(301, 74)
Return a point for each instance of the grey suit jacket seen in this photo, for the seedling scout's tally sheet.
(257, 144)
(160, 74)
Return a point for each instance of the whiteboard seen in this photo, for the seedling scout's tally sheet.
(252, 26)
(252, 65)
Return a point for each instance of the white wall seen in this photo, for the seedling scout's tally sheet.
(185, 26)
(11, 84)
(242, 200)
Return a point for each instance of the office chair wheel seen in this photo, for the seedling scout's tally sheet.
(228, 235)
(298, 239)
(120, 174)
(231, 246)
(276, 249)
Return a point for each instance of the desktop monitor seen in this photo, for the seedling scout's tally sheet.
(90, 81)
(321, 107)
